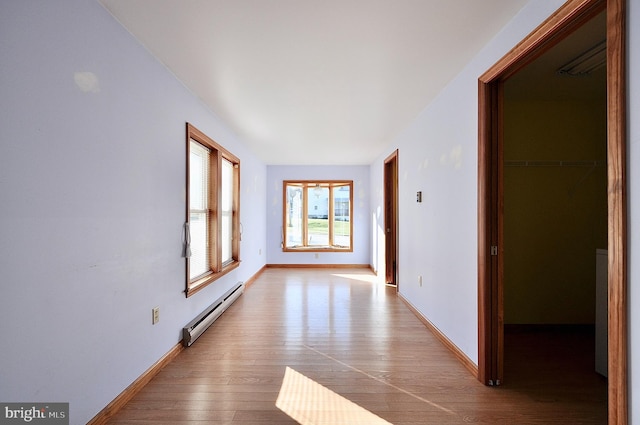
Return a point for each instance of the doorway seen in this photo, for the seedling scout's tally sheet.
(555, 219)
(391, 219)
(564, 22)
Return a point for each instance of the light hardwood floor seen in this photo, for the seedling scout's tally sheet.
(352, 353)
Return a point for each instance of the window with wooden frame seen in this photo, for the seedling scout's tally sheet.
(213, 211)
(317, 215)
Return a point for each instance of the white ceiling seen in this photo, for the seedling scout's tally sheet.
(315, 82)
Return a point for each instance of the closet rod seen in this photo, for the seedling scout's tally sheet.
(553, 163)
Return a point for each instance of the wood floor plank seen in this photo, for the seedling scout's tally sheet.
(353, 337)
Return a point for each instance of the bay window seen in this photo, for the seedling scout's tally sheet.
(317, 215)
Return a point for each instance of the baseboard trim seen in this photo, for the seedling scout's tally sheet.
(461, 356)
(318, 266)
(123, 398)
(253, 278)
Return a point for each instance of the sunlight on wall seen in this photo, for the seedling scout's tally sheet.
(310, 403)
(87, 82)
(377, 242)
(454, 158)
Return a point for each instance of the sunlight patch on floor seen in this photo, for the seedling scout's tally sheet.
(310, 403)
(363, 277)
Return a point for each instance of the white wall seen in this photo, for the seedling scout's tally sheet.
(276, 174)
(92, 189)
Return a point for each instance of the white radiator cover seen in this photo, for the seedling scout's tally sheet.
(198, 325)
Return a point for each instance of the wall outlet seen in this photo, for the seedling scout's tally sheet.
(317, 255)
(155, 317)
(420, 280)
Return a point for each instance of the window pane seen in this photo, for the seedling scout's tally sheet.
(199, 261)
(293, 229)
(227, 211)
(318, 216)
(198, 209)
(227, 185)
(225, 242)
(198, 176)
(342, 216)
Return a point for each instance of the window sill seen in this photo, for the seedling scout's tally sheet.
(317, 249)
(203, 282)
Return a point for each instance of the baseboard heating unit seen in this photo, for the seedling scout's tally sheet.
(197, 326)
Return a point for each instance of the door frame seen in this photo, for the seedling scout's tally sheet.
(391, 219)
(490, 192)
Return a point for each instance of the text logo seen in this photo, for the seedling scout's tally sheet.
(34, 413)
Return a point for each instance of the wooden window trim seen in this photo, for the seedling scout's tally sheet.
(217, 155)
(331, 213)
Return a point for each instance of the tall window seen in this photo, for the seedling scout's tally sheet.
(317, 215)
(213, 210)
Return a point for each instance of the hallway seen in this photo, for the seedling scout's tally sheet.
(354, 353)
